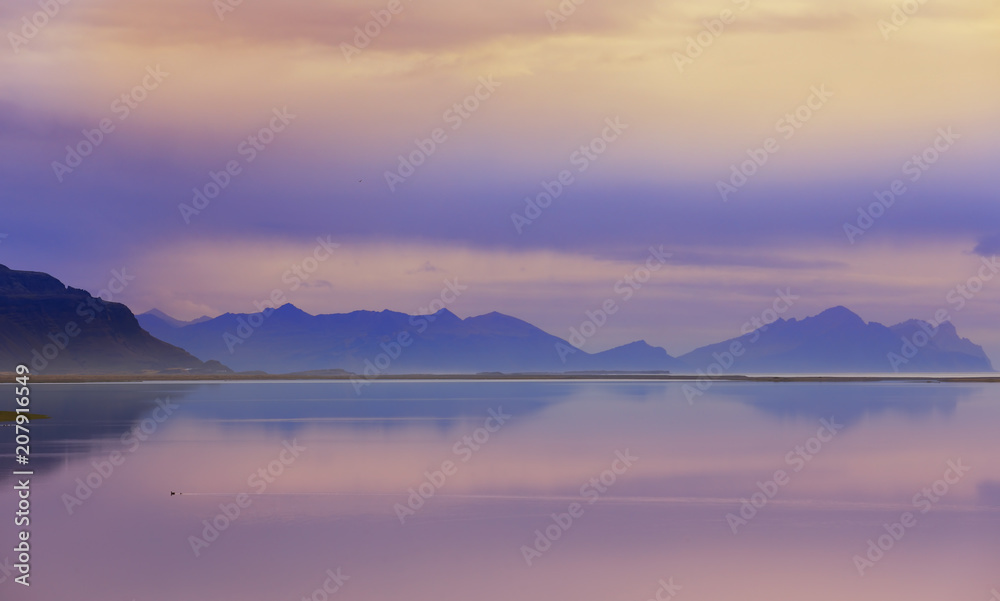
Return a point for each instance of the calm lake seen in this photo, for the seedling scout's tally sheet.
(458, 491)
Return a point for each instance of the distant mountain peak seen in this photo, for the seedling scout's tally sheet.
(446, 314)
(840, 312)
(290, 309)
(169, 320)
(836, 316)
(945, 327)
(635, 356)
(157, 313)
(840, 341)
(637, 344)
(495, 319)
(491, 316)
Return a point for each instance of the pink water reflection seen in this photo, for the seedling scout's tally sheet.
(664, 517)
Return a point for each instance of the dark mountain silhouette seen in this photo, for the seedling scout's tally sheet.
(839, 341)
(55, 329)
(289, 340)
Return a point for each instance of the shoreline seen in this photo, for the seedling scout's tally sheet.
(492, 377)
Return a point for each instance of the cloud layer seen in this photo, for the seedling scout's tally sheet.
(700, 88)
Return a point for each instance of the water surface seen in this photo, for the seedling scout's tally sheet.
(334, 494)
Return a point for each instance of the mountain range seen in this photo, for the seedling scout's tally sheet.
(839, 341)
(290, 340)
(58, 329)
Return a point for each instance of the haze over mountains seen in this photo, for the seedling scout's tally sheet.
(839, 341)
(177, 323)
(58, 330)
(290, 340)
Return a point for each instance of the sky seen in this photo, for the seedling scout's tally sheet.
(197, 151)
